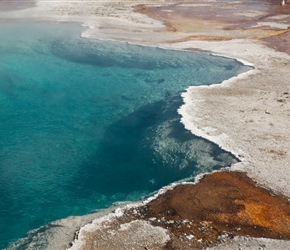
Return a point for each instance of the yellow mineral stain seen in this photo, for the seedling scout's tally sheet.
(265, 215)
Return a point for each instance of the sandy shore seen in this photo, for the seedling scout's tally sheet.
(248, 115)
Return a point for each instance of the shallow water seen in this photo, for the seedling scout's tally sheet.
(88, 123)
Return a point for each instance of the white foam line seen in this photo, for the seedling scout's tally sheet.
(186, 119)
(189, 124)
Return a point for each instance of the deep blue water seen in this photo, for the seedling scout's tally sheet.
(87, 123)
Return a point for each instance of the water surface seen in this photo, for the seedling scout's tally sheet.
(87, 123)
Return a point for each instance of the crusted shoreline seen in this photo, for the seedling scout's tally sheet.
(247, 115)
(181, 217)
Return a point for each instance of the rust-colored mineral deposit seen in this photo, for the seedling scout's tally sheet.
(222, 202)
(221, 205)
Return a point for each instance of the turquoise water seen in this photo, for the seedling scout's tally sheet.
(86, 123)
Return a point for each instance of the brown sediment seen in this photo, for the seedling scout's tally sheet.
(201, 38)
(280, 42)
(221, 22)
(222, 204)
